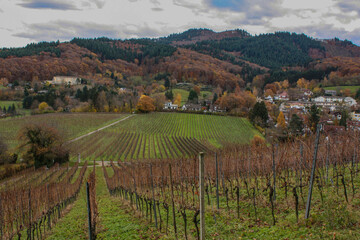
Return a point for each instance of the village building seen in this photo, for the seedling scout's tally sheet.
(284, 96)
(170, 106)
(191, 107)
(330, 92)
(328, 101)
(64, 80)
(269, 99)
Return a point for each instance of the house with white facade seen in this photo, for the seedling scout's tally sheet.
(328, 101)
(191, 107)
(284, 96)
(64, 80)
(170, 106)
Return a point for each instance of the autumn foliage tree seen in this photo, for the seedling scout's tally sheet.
(43, 145)
(281, 121)
(145, 104)
(177, 99)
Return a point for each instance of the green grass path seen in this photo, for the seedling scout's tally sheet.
(74, 224)
(116, 222)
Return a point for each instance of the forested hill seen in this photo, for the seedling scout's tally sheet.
(197, 55)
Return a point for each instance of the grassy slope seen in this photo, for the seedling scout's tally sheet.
(117, 221)
(70, 125)
(353, 89)
(18, 106)
(74, 224)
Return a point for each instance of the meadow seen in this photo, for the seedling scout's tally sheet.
(70, 125)
(353, 89)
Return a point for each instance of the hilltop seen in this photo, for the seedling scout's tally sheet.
(201, 56)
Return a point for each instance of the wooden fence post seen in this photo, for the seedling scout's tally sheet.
(202, 196)
(308, 204)
(1, 219)
(89, 210)
(327, 158)
(153, 195)
(217, 182)
(30, 220)
(172, 201)
(274, 171)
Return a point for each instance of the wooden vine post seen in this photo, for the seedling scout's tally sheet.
(172, 201)
(217, 182)
(89, 210)
(153, 195)
(274, 171)
(308, 204)
(202, 196)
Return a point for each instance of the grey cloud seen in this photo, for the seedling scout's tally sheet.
(48, 4)
(157, 9)
(1, 11)
(326, 31)
(349, 6)
(254, 9)
(156, 2)
(139, 31)
(197, 9)
(98, 3)
(65, 30)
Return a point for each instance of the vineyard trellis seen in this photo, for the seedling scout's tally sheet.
(247, 174)
(31, 210)
(163, 136)
(91, 203)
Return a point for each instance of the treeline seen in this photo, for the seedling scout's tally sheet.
(196, 32)
(292, 75)
(32, 49)
(109, 49)
(272, 50)
(187, 35)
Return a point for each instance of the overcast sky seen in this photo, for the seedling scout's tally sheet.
(25, 21)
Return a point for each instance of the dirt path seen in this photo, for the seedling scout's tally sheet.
(97, 130)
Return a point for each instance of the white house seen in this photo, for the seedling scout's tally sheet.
(63, 80)
(282, 96)
(170, 106)
(269, 99)
(191, 107)
(350, 101)
(334, 100)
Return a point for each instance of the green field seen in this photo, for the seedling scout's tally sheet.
(164, 135)
(353, 89)
(18, 107)
(70, 125)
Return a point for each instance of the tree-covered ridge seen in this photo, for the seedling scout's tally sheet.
(187, 35)
(273, 50)
(201, 34)
(31, 49)
(116, 49)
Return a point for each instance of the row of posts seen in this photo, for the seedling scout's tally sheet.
(202, 187)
